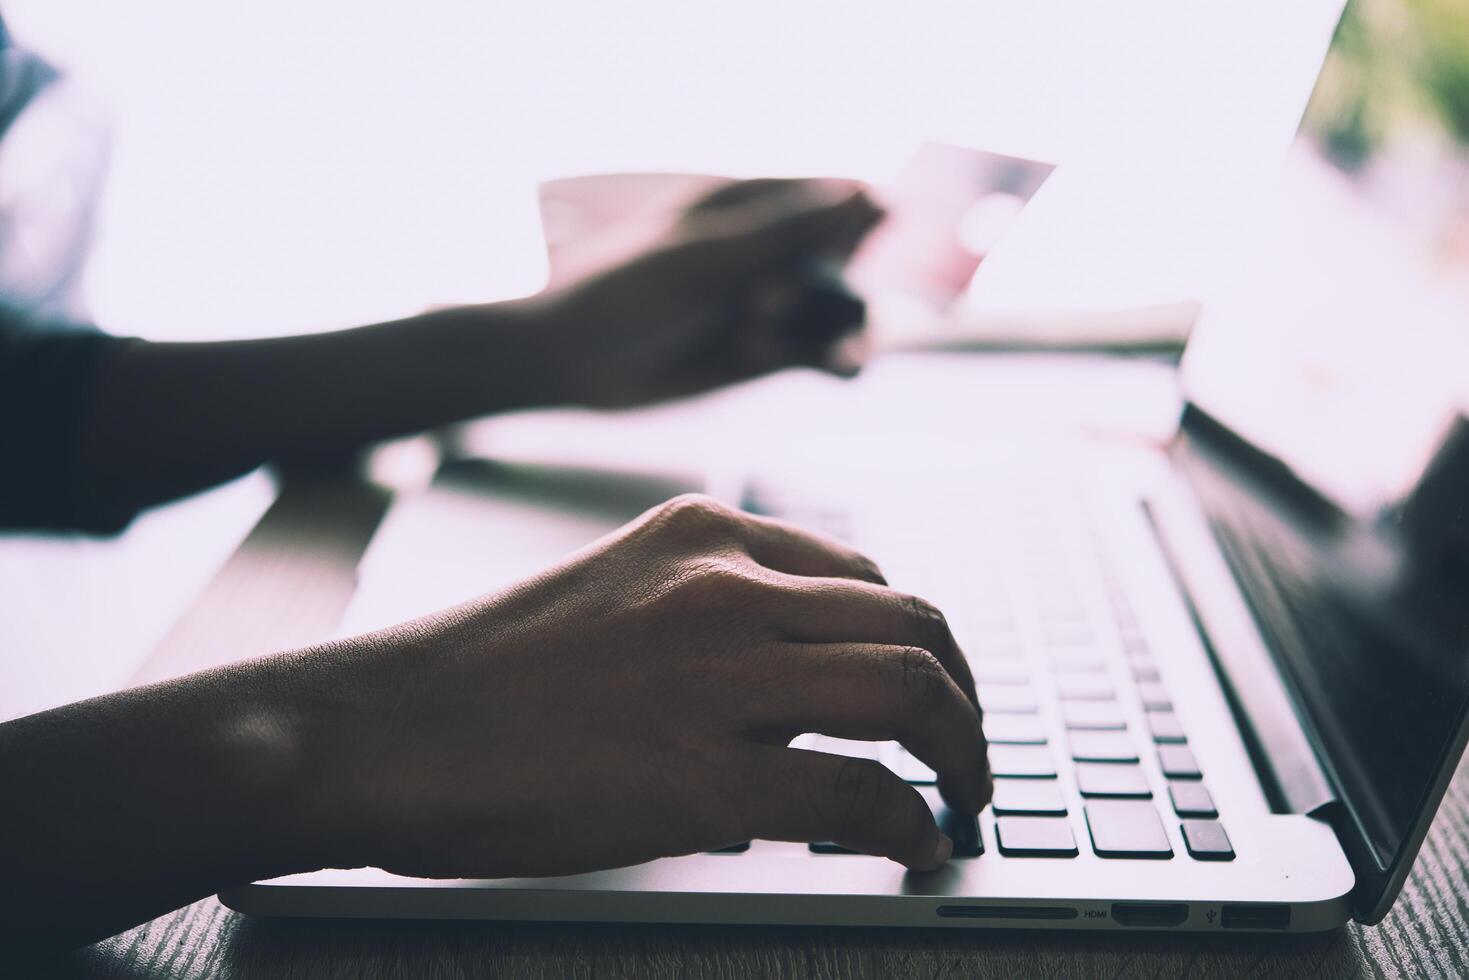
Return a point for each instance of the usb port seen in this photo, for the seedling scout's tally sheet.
(1255, 917)
(1149, 915)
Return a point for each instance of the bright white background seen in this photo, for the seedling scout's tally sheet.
(286, 166)
(281, 167)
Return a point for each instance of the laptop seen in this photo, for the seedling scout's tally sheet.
(1224, 680)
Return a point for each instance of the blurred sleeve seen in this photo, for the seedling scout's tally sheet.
(46, 380)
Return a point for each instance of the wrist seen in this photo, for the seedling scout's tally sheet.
(285, 735)
(541, 339)
(485, 358)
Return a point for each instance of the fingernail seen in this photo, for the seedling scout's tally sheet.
(846, 356)
(843, 367)
(944, 850)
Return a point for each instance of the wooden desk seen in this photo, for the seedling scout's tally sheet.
(309, 542)
(1425, 936)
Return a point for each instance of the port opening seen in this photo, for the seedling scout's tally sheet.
(1255, 917)
(1150, 915)
(1006, 912)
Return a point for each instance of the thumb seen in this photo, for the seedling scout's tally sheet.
(857, 803)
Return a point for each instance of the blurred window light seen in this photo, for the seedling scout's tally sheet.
(283, 167)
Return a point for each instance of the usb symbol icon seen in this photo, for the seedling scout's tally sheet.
(1210, 916)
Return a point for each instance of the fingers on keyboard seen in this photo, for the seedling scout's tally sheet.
(962, 830)
(1038, 653)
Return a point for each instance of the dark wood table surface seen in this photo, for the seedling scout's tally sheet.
(308, 543)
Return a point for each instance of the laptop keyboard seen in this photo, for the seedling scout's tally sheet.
(1061, 702)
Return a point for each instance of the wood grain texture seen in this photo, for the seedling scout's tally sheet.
(287, 583)
(1424, 936)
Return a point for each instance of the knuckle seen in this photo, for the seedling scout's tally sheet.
(693, 514)
(924, 613)
(862, 793)
(715, 583)
(925, 682)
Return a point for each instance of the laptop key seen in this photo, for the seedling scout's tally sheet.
(1127, 829)
(1093, 715)
(1102, 747)
(1084, 689)
(1109, 779)
(1143, 669)
(1077, 636)
(1154, 696)
(1035, 837)
(999, 673)
(1064, 615)
(1192, 800)
(1028, 797)
(908, 768)
(1014, 730)
(984, 649)
(1207, 841)
(1008, 699)
(1178, 762)
(1071, 663)
(1165, 727)
(962, 830)
(1021, 762)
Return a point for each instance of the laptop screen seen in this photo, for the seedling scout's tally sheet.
(1350, 317)
(1344, 354)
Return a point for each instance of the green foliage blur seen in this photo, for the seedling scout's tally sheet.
(1398, 69)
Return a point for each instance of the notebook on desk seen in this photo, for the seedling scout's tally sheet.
(1224, 681)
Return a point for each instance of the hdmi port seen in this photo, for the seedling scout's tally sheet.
(1155, 915)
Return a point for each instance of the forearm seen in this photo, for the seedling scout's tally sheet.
(123, 807)
(166, 419)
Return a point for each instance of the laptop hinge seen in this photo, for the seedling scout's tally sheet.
(1289, 771)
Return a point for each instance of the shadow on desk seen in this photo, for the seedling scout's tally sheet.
(209, 940)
